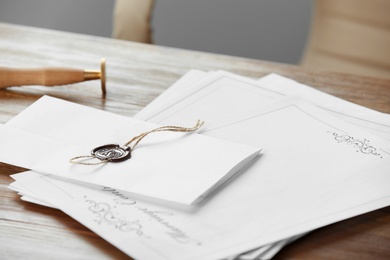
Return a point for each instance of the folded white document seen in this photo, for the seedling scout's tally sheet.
(168, 166)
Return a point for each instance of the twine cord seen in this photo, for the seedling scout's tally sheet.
(74, 160)
(136, 140)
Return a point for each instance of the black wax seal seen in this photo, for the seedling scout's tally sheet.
(112, 153)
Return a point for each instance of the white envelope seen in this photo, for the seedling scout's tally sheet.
(168, 166)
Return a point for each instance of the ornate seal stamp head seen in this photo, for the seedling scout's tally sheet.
(112, 153)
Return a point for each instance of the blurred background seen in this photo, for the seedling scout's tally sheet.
(274, 30)
(350, 36)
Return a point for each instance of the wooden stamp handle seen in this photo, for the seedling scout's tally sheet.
(45, 77)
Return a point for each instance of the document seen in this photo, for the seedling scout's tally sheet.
(169, 166)
(292, 178)
(372, 121)
(219, 90)
(199, 98)
(314, 168)
(165, 98)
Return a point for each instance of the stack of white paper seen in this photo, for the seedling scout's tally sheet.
(323, 160)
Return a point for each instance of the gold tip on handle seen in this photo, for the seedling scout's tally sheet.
(94, 74)
(91, 74)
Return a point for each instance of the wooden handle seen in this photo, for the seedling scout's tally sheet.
(46, 77)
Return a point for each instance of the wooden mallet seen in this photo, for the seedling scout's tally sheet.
(10, 77)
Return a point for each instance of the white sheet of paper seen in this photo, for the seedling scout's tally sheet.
(163, 103)
(265, 252)
(169, 95)
(220, 90)
(363, 112)
(372, 121)
(76, 205)
(28, 195)
(170, 166)
(200, 98)
(251, 211)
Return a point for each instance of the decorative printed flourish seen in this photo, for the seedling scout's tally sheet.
(108, 213)
(362, 146)
(104, 214)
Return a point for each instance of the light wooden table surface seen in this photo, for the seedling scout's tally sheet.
(137, 73)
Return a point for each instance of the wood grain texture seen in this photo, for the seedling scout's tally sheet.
(136, 74)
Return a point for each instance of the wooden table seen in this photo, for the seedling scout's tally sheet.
(137, 73)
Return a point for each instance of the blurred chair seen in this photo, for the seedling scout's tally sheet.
(132, 20)
(351, 36)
